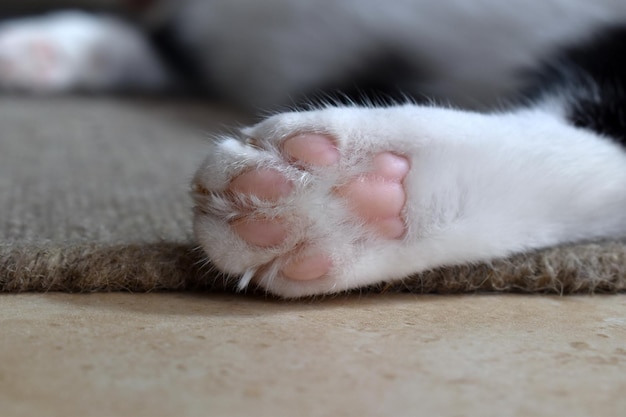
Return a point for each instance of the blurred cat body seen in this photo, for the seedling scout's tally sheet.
(276, 53)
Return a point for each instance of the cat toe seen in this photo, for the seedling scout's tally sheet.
(378, 196)
(312, 149)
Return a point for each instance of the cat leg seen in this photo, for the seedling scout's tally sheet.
(69, 51)
(324, 201)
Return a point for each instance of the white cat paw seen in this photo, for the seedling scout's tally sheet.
(335, 199)
(296, 209)
(32, 61)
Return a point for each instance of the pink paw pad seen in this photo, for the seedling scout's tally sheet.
(308, 267)
(266, 184)
(312, 149)
(376, 197)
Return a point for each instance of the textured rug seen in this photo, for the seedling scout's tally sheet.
(93, 197)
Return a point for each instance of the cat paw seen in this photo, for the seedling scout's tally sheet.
(32, 61)
(69, 51)
(299, 212)
(329, 200)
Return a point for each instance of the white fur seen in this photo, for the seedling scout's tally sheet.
(481, 186)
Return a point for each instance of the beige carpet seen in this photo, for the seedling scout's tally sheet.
(91, 185)
(93, 196)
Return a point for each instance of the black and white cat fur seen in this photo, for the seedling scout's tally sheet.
(342, 196)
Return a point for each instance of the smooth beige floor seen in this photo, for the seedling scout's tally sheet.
(393, 355)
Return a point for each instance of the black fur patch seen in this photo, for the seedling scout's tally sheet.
(606, 116)
(181, 63)
(593, 77)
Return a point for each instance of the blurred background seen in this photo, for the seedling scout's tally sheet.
(273, 54)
